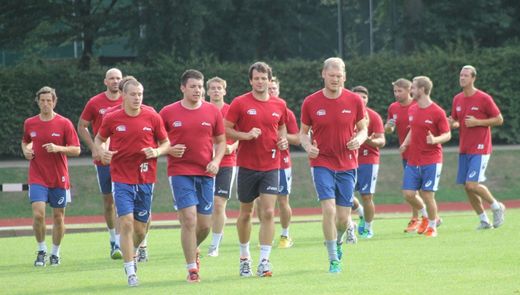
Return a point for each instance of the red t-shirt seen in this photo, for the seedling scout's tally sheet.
(292, 128)
(231, 159)
(195, 129)
(400, 114)
(128, 136)
(369, 154)
(332, 122)
(49, 169)
(96, 108)
(474, 140)
(246, 112)
(433, 119)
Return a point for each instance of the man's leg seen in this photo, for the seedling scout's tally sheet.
(39, 228)
(285, 221)
(477, 192)
(218, 220)
(58, 231)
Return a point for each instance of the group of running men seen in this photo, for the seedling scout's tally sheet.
(205, 142)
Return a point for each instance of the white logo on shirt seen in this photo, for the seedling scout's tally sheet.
(275, 114)
(472, 174)
(480, 147)
(394, 116)
(410, 118)
(102, 111)
(345, 111)
(121, 128)
(428, 122)
(428, 183)
(33, 134)
(147, 129)
(321, 112)
(205, 124)
(177, 124)
(54, 134)
(61, 200)
(474, 108)
(251, 112)
(458, 108)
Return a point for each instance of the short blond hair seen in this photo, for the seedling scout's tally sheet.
(217, 79)
(45, 90)
(471, 68)
(402, 83)
(424, 82)
(334, 62)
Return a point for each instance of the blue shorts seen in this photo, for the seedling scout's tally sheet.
(404, 162)
(56, 197)
(338, 185)
(424, 178)
(192, 190)
(104, 179)
(134, 198)
(285, 182)
(367, 178)
(472, 168)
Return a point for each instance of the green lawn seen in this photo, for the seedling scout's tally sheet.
(87, 201)
(459, 261)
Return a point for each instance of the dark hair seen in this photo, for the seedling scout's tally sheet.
(361, 89)
(260, 67)
(191, 74)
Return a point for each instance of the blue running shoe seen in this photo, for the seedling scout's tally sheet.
(361, 226)
(335, 266)
(367, 234)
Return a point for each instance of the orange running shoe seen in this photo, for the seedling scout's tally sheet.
(193, 276)
(430, 232)
(412, 225)
(422, 227)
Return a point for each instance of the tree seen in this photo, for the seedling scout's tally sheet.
(59, 22)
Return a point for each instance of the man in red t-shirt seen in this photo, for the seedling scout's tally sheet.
(368, 170)
(429, 129)
(137, 139)
(194, 126)
(48, 139)
(93, 114)
(397, 120)
(336, 117)
(285, 170)
(474, 112)
(226, 172)
(258, 121)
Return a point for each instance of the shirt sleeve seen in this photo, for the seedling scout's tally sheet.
(87, 113)
(71, 137)
(305, 118)
(377, 122)
(454, 109)
(159, 130)
(26, 136)
(292, 125)
(442, 122)
(233, 112)
(104, 130)
(219, 124)
(492, 109)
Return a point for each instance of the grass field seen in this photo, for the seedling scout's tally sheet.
(87, 200)
(459, 261)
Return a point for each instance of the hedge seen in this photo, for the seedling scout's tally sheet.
(497, 75)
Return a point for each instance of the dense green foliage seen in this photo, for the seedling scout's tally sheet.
(496, 75)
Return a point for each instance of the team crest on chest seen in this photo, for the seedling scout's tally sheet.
(321, 112)
(177, 124)
(275, 114)
(458, 108)
(251, 112)
(102, 111)
(33, 134)
(121, 128)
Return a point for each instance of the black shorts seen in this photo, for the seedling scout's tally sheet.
(224, 181)
(252, 183)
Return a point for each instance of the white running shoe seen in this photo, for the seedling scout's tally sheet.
(245, 267)
(351, 234)
(499, 215)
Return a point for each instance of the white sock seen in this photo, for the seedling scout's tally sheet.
(424, 213)
(332, 247)
(191, 266)
(495, 205)
(368, 225)
(118, 239)
(216, 237)
(361, 211)
(55, 250)
(129, 268)
(432, 223)
(265, 252)
(285, 232)
(483, 217)
(144, 243)
(42, 246)
(244, 250)
(112, 233)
